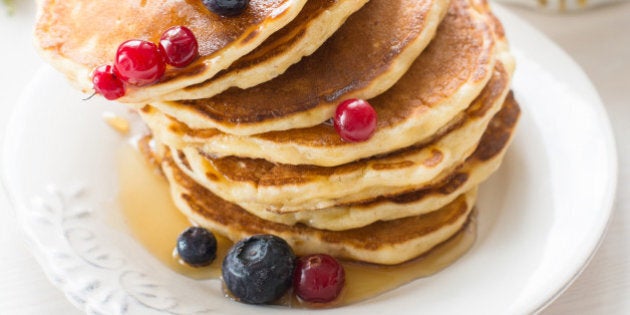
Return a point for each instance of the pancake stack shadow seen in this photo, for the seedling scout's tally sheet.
(245, 138)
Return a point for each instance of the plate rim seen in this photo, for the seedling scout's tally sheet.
(597, 104)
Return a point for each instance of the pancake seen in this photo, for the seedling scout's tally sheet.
(365, 57)
(317, 21)
(385, 242)
(445, 79)
(256, 184)
(477, 168)
(77, 36)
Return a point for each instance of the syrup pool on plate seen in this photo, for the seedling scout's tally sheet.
(155, 222)
(152, 217)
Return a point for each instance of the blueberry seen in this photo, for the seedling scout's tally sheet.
(197, 246)
(226, 7)
(259, 269)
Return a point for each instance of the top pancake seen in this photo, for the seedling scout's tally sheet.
(366, 56)
(317, 21)
(441, 82)
(77, 36)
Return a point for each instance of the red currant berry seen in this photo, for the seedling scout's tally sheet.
(139, 62)
(107, 83)
(355, 120)
(318, 278)
(178, 46)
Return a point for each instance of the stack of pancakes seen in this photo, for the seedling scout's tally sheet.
(244, 133)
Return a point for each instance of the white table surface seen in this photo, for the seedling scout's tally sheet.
(597, 39)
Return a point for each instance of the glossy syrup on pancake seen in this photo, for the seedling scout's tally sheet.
(442, 81)
(317, 21)
(77, 36)
(367, 55)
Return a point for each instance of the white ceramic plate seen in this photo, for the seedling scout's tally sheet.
(541, 216)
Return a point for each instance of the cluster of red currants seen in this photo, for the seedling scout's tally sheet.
(139, 62)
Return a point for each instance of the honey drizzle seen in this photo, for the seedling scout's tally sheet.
(120, 124)
(365, 280)
(155, 222)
